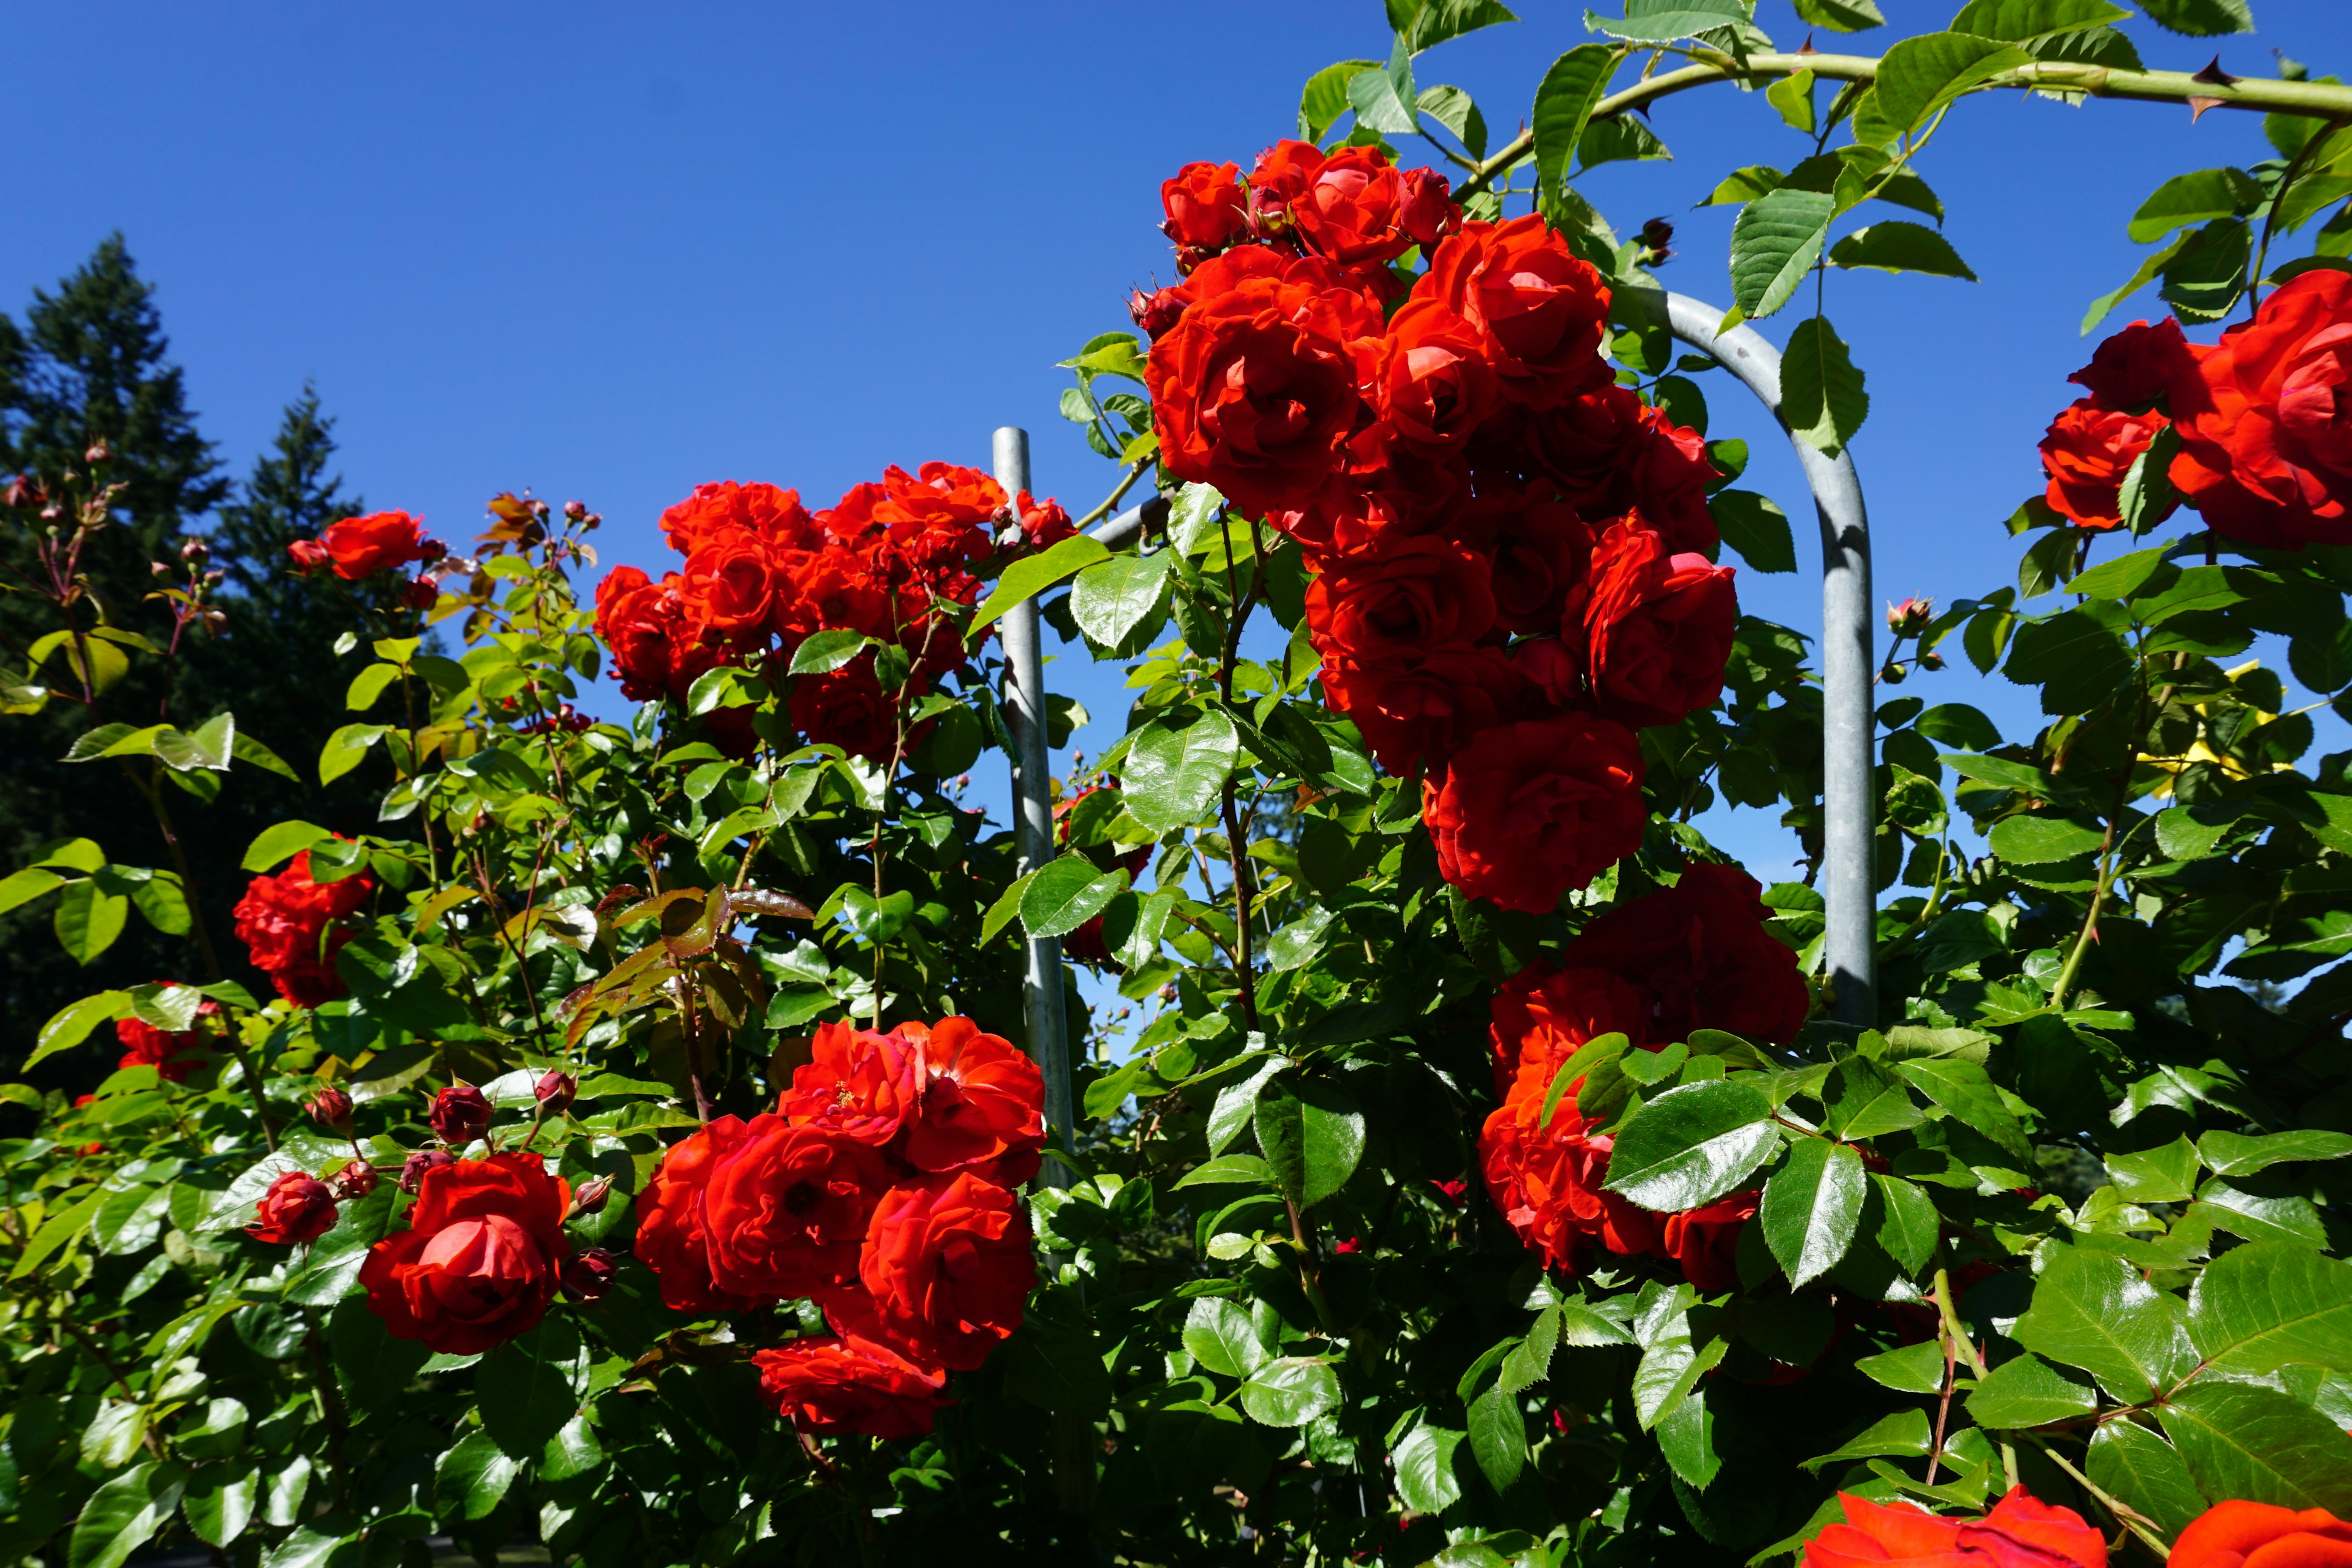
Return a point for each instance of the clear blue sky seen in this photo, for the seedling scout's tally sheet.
(608, 252)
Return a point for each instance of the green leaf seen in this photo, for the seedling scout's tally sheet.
(2093, 1311)
(1312, 1138)
(61, 1227)
(2028, 1392)
(1221, 1337)
(1033, 574)
(1670, 1367)
(1065, 894)
(248, 750)
(1866, 1098)
(1920, 75)
(2016, 21)
(1908, 1225)
(1810, 1207)
(1691, 1145)
(1963, 1090)
(531, 1386)
(1498, 1437)
(2243, 1440)
(1458, 113)
(1564, 101)
(1112, 599)
(209, 746)
(1822, 396)
(220, 1502)
(2260, 1215)
(1840, 17)
(27, 885)
(1174, 776)
(1325, 97)
(1008, 904)
(1664, 22)
(163, 902)
(1290, 1390)
(307, 1547)
(273, 846)
(1755, 527)
(369, 685)
(2201, 19)
(124, 1514)
(2162, 1175)
(2075, 656)
(1792, 97)
(1914, 1369)
(2141, 1470)
(2231, 1155)
(1775, 241)
(2204, 279)
(1904, 1435)
(1438, 20)
(2188, 200)
(473, 1478)
(1899, 247)
(1382, 103)
(347, 748)
(2150, 266)
(1424, 1469)
(2041, 840)
(2270, 1304)
(1530, 1360)
(89, 919)
(826, 651)
(1229, 1170)
(2119, 578)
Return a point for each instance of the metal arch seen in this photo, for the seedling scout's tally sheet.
(1849, 665)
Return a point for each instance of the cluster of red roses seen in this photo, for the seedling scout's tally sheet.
(762, 574)
(2265, 419)
(1694, 957)
(359, 547)
(293, 927)
(886, 1188)
(1510, 548)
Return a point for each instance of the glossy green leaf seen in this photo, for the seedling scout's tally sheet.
(273, 846)
(1563, 105)
(821, 653)
(2185, 200)
(2243, 1440)
(1498, 1437)
(1908, 1225)
(531, 1386)
(1823, 398)
(1173, 776)
(2028, 1392)
(1775, 241)
(1424, 1469)
(124, 1514)
(2093, 1311)
(1900, 246)
(72, 1023)
(2269, 1304)
(221, 1500)
(1868, 1097)
(1325, 97)
(1810, 1207)
(89, 919)
(1113, 598)
(1065, 894)
(2015, 21)
(1920, 75)
(1963, 1090)
(1914, 1369)
(472, 1479)
(2201, 19)
(1664, 22)
(1221, 1338)
(1691, 1145)
(1842, 16)
(2232, 1155)
(1751, 525)
(1290, 1390)
(1312, 1136)
(1033, 574)
(2040, 840)
(2251, 1209)
(1228, 1169)
(2146, 1473)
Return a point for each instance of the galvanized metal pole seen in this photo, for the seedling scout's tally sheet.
(1849, 665)
(1033, 825)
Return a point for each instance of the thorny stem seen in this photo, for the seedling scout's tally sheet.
(1244, 882)
(1943, 1404)
(2138, 1523)
(1135, 472)
(1959, 1336)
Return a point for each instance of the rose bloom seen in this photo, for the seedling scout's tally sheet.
(847, 708)
(1541, 312)
(1657, 626)
(481, 1259)
(938, 1098)
(1205, 211)
(1699, 954)
(1610, 453)
(292, 927)
(1434, 385)
(1353, 206)
(669, 1220)
(730, 510)
(1548, 1179)
(947, 1270)
(1540, 549)
(828, 1386)
(173, 1054)
(2266, 452)
(941, 517)
(1540, 1016)
(729, 589)
(1527, 811)
(656, 649)
(857, 1081)
(1705, 1242)
(2086, 452)
(2020, 1531)
(1044, 523)
(361, 546)
(2140, 367)
(1255, 388)
(2238, 1534)
(298, 1208)
(785, 1208)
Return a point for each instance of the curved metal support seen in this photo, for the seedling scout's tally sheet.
(1033, 821)
(1135, 520)
(1848, 665)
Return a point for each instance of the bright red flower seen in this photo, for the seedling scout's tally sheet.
(1610, 453)
(173, 1053)
(669, 1220)
(657, 649)
(1528, 810)
(1657, 626)
(847, 708)
(1542, 1016)
(309, 555)
(2238, 1534)
(785, 1211)
(361, 546)
(834, 1385)
(730, 510)
(298, 1209)
(1256, 388)
(1044, 523)
(1353, 206)
(1700, 956)
(1434, 385)
(947, 1270)
(2266, 453)
(860, 1082)
(293, 927)
(729, 590)
(1542, 312)
(1540, 552)
(1205, 211)
(2021, 1532)
(2139, 367)
(2087, 452)
(1705, 1242)
(981, 1103)
(481, 1259)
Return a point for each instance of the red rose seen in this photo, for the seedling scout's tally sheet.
(413, 1169)
(981, 1103)
(1610, 453)
(2266, 452)
(947, 1270)
(656, 650)
(173, 1053)
(1527, 811)
(1657, 626)
(669, 1220)
(1434, 386)
(1551, 668)
(292, 927)
(1699, 954)
(1157, 311)
(460, 1114)
(298, 1208)
(2238, 1534)
(1541, 1015)
(856, 1082)
(1425, 208)
(1256, 388)
(1205, 213)
(1539, 548)
(847, 708)
(481, 1257)
(2086, 454)
(774, 517)
(833, 1385)
(1541, 312)
(935, 520)
(1548, 1179)
(309, 555)
(1705, 1242)
(729, 588)
(1353, 206)
(2019, 1533)
(2139, 367)
(785, 1208)
(361, 546)
(1044, 524)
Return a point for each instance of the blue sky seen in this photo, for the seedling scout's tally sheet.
(609, 252)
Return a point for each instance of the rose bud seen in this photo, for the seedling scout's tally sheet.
(98, 452)
(588, 1275)
(459, 1115)
(1931, 662)
(574, 510)
(194, 549)
(157, 568)
(555, 1091)
(1658, 237)
(1910, 616)
(1893, 674)
(308, 554)
(539, 509)
(412, 1174)
(1155, 313)
(356, 1180)
(23, 490)
(330, 1108)
(589, 1196)
(421, 595)
(298, 1208)
(431, 550)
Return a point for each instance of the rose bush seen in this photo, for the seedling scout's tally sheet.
(640, 1145)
